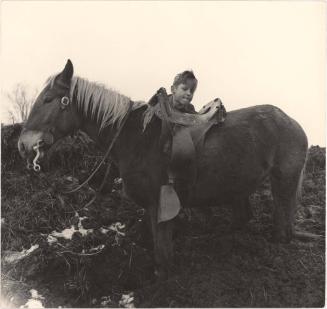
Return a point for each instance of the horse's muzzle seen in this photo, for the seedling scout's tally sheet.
(32, 146)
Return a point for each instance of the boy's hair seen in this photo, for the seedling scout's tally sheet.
(183, 77)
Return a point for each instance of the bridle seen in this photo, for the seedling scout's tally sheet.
(65, 101)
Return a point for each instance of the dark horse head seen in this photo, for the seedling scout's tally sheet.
(52, 116)
(68, 103)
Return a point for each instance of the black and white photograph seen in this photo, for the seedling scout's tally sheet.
(159, 154)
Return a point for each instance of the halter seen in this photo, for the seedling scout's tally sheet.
(65, 101)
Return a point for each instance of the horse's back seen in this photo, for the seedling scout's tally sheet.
(259, 124)
(236, 156)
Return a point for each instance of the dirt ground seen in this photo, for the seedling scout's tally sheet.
(108, 262)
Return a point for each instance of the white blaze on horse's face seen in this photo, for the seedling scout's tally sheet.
(51, 118)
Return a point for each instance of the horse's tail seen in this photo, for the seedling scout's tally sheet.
(299, 190)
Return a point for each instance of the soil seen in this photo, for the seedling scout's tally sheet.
(109, 260)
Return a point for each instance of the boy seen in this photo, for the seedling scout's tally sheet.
(182, 90)
(178, 149)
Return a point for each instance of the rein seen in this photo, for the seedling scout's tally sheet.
(106, 155)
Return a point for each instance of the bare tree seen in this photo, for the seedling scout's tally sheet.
(22, 101)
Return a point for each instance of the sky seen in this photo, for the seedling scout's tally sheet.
(244, 52)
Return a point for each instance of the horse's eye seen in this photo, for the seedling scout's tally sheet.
(47, 98)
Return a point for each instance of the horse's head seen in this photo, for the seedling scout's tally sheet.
(51, 118)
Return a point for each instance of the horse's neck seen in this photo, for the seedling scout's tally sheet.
(91, 104)
(135, 147)
(91, 129)
(130, 135)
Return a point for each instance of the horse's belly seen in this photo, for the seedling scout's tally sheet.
(140, 188)
(222, 176)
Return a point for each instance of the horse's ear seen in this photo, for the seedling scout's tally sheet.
(67, 73)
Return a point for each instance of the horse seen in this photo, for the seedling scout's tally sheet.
(252, 144)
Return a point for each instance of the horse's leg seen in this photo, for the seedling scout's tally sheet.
(241, 211)
(165, 248)
(146, 231)
(203, 214)
(284, 191)
(163, 243)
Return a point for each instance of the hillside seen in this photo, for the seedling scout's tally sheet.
(91, 249)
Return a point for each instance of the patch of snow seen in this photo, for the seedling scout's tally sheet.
(118, 181)
(81, 229)
(98, 248)
(66, 233)
(2, 221)
(16, 256)
(51, 239)
(34, 301)
(4, 303)
(117, 227)
(34, 247)
(104, 231)
(93, 301)
(105, 300)
(127, 300)
(35, 294)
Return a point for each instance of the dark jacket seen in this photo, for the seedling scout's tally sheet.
(189, 108)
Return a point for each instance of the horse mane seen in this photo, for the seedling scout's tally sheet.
(96, 102)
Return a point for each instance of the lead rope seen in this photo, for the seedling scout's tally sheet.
(36, 166)
(106, 154)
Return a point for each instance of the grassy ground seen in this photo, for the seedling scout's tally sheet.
(108, 262)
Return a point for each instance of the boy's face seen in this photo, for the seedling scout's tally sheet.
(183, 93)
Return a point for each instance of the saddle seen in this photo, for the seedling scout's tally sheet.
(184, 133)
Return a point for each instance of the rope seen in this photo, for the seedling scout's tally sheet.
(107, 152)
